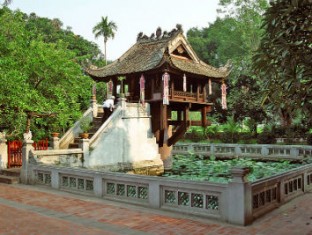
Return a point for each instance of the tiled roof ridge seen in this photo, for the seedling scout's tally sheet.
(159, 35)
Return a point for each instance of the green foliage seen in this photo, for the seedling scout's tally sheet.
(266, 137)
(211, 130)
(309, 139)
(106, 29)
(51, 31)
(38, 76)
(85, 124)
(284, 59)
(234, 36)
(231, 128)
(199, 168)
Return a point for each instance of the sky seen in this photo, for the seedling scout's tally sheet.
(130, 16)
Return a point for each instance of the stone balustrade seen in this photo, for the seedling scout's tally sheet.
(284, 152)
(238, 202)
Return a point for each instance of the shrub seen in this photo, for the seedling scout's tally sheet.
(266, 138)
(279, 131)
(309, 139)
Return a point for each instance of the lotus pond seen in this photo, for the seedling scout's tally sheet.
(199, 168)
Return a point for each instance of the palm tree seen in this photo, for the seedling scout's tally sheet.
(106, 29)
(6, 2)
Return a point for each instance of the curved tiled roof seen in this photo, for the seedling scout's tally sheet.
(148, 54)
(200, 68)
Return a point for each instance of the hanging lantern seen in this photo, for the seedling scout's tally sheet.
(166, 79)
(142, 89)
(184, 83)
(223, 97)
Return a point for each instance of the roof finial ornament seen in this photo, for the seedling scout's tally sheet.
(152, 36)
(140, 34)
(165, 34)
(158, 32)
(179, 27)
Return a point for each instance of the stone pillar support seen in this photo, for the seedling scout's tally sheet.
(84, 144)
(94, 105)
(26, 174)
(165, 150)
(240, 197)
(3, 153)
(123, 104)
(55, 142)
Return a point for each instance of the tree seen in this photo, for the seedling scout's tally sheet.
(6, 2)
(235, 36)
(51, 32)
(284, 58)
(245, 102)
(106, 29)
(37, 76)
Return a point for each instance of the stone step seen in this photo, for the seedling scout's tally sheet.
(73, 145)
(9, 179)
(15, 172)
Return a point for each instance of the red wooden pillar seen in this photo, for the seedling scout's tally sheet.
(197, 92)
(172, 89)
(204, 117)
(186, 115)
(205, 93)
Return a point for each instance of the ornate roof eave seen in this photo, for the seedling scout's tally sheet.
(150, 54)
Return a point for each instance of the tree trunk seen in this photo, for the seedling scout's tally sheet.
(105, 52)
(286, 118)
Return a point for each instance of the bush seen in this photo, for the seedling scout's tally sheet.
(279, 131)
(266, 138)
(309, 139)
(195, 135)
(247, 138)
(229, 137)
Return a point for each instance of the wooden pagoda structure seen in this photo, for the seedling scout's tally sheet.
(175, 79)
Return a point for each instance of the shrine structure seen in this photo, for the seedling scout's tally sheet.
(164, 71)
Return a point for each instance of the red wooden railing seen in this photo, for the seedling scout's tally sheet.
(41, 144)
(15, 151)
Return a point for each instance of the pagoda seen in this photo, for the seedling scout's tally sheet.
(164, 71)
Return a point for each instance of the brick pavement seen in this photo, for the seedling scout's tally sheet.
(35, 210)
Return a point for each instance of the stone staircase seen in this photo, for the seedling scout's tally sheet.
(10, 176)
(96, 124)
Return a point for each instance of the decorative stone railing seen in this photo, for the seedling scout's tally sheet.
(62, 157)
(238, 202)
(272, 192)
(107, 125)
(287, 152)
(74, 131)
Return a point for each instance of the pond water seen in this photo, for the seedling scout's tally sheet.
(192, 167)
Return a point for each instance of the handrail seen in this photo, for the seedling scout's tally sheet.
(292, 152)
(74, 130)
(113, 117)
(56, 152)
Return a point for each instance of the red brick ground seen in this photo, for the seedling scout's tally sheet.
(37, 210)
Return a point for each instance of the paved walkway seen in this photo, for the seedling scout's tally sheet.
(34, 210)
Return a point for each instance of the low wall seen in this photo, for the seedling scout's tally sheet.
(237, 202)
(64, 157)
(283, 152)
(200, 198)
(272, 192)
